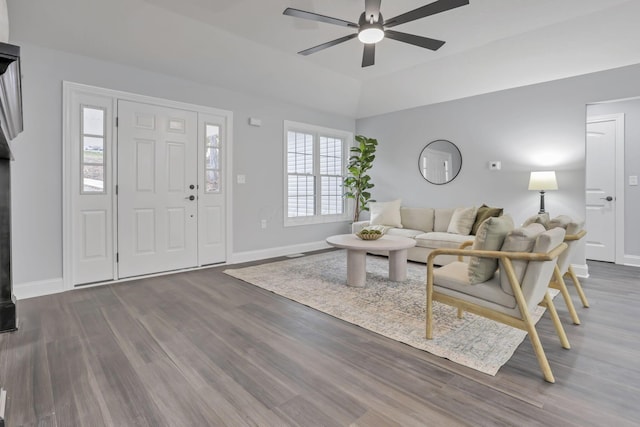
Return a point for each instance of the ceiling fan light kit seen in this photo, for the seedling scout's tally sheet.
(372, 28)
(372, 33)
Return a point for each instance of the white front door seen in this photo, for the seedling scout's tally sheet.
(157, 189)
(601, 190)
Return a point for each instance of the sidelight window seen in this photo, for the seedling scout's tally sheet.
(93, 134)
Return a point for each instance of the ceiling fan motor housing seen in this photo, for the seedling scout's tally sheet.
(370, 30)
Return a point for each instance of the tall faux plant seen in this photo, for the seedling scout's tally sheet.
(358, 183)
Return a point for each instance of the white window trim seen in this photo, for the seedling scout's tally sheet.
(348, 138)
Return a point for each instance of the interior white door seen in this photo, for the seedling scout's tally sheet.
(601, 190)
(157, 189)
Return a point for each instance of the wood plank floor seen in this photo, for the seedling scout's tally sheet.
(204, 349)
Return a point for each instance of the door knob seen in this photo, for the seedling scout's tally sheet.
(608, 198)
(190, 198)
(192, 186)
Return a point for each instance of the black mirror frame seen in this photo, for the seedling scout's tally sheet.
(420, 157)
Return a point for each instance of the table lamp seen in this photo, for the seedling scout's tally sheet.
(542, 181)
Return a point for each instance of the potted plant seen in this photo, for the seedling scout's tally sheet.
(357, 184)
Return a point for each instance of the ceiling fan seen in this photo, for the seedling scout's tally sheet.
(372, 27)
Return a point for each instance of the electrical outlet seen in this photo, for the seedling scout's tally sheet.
(263, 223)
(241, 179)
(495, 165)
(633, 179)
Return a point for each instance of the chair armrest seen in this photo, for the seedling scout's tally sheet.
(528, 256)
(578, 236)
(462, 246)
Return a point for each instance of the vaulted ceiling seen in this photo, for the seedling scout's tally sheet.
(250, 46)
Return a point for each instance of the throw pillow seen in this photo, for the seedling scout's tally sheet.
(519, 240)
(484, 212)
(490, 237)
(462, 220)
(560, 221)
(538, 218)
(385, 213)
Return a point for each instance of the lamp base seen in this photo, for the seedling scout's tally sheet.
(541, 211)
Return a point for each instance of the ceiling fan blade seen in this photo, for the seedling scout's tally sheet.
(425, 42)
(369, 54)
(327, 44)
(317, 17)
(430, 9)
(372, 8)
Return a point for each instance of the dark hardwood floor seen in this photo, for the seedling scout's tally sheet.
(204, 349)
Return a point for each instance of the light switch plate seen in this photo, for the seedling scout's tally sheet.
(633, 179)
(241, 179)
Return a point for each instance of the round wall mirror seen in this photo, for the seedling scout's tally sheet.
(440, 162)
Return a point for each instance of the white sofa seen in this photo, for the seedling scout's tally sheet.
(428, 226)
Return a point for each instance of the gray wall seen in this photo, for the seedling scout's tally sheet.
(538, 127)
(37, 170)
(631, 110)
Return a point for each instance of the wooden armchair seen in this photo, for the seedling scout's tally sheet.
(565, 270)
(529, 282)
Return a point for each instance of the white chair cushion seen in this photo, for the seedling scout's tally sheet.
(519, 240)
(455, 277)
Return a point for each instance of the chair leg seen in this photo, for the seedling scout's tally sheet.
(548, 302)
(429, 317)
(537, 348)
(559, 282)
(576, 283)
(460, 313)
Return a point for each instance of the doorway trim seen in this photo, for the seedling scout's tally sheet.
(70, 91)
(619, 179)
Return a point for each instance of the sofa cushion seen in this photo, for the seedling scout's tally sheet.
(442, 218)
(404, 232)
(417, 218)
(484, 212)
(386, 213)
(490, 237)
(437, 240)
(462, 220)
(519, 240)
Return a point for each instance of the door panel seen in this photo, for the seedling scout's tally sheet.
(157, 157)
(600, 185)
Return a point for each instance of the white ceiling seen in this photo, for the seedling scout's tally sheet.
(249, 45)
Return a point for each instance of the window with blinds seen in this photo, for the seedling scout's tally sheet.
(315, 159)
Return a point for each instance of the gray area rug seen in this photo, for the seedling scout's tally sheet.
(393, 309)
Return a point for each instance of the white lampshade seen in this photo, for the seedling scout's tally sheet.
(543, 180)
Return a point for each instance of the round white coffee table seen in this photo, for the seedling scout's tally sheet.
(357, 255)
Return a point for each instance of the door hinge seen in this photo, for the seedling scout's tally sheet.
(117, 257)
(116, 189)
(117, 122)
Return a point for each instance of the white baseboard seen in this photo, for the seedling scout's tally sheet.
(39, 288)
(632, 260)
(248, 256)
(581, 270)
